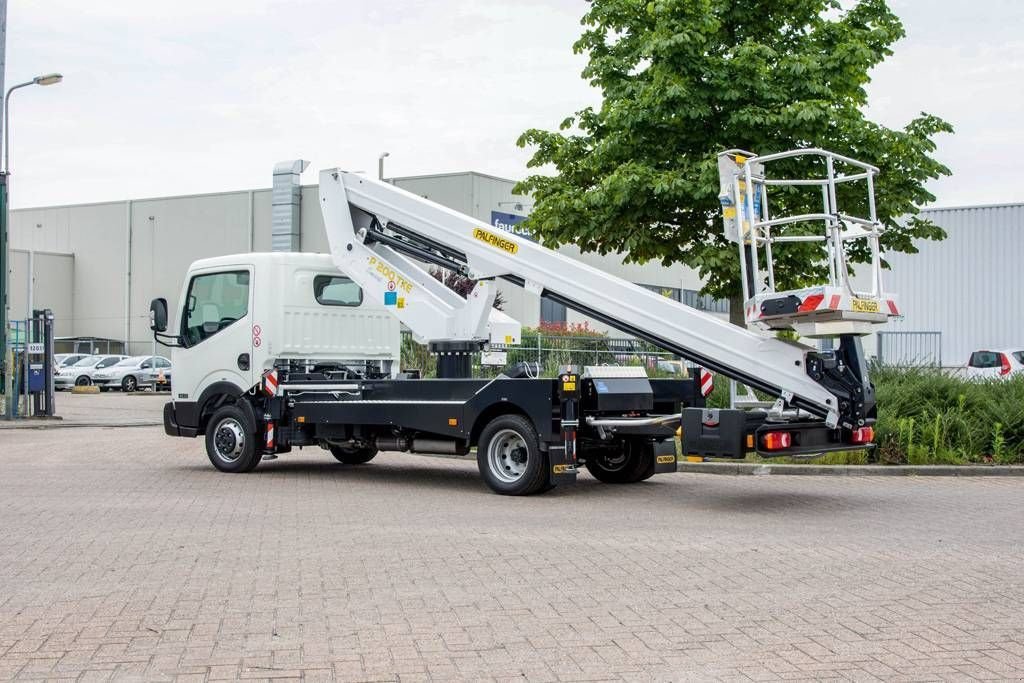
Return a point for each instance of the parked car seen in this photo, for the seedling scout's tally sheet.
(995, 364)
(81, 373)
(63, 360)
(159, 376)
(128, 374)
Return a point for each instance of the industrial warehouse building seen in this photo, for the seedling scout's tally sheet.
(97, 266)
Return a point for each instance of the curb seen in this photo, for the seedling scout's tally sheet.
(28, 424)
(758, 469)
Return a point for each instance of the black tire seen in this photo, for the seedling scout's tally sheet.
(627, 465)
(82, 381)
(353, 456)
(231, 441)
(129, 384)
(509, 457)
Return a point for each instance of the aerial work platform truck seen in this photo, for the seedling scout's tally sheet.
(274, 351)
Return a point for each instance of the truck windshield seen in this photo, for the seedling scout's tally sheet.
(214, 302)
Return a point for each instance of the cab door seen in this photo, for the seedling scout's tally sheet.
(215, 327)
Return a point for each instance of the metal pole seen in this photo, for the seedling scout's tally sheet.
(3, 210)
(30, 281)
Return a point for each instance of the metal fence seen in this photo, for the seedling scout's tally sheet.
(910, 349)
(555, 351)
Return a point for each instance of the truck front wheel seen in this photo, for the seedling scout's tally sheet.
(353, 456)
(231, 442)
(630, 464)
(509, 457)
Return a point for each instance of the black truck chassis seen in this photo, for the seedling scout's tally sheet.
(622, 429)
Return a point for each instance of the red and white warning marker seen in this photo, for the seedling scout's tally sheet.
(707, 383)
(269, 443)
(270, 383)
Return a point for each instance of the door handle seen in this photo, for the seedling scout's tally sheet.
(243, 361)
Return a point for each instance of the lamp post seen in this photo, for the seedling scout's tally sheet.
(380, 165)
(45, 79)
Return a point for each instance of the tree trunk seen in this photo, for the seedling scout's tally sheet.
(736, 316)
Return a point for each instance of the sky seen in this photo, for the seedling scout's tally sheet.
(166, 98)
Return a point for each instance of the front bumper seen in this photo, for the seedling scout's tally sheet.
(172, 426)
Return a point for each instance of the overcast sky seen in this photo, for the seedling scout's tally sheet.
(164, 98)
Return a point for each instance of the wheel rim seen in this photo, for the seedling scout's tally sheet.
(82, 381)
(507, 456)
(613, 463)
(229, 439)
(129, 383)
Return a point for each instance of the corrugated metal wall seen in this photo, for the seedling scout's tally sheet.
(969, 286)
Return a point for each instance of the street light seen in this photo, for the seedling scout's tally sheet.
(380, 165)
(44, 79)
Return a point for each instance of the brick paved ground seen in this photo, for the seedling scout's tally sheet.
(113, 408)
(124, 554)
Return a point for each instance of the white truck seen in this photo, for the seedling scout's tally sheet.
(275, 350)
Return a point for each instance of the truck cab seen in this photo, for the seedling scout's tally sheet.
(238, 315)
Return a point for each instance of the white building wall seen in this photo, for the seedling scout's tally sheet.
(968, 286)
(95, 234)
(52, 285)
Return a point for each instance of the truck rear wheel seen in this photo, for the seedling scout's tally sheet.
(353, 456)
(231, 441)
(509, 457)
(632, 463)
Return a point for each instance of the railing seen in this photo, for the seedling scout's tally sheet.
(554, 351)
(910, 349)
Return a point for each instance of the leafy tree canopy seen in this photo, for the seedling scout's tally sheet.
(685, 79)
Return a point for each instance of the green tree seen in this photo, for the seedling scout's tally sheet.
(685, 79)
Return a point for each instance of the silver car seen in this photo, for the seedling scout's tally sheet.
(129, 374)
(159, 376)
(80, 374)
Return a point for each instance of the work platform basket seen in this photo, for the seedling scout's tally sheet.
(828, 309)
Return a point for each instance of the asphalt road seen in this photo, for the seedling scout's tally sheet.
(124, 554)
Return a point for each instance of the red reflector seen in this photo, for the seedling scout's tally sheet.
(812, 302)
(863, 435)
(774, 441)
(1005, 370)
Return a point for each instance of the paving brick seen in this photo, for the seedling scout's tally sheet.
(124, 555)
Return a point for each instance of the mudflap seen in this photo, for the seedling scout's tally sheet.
(664, 456)
(561, 466)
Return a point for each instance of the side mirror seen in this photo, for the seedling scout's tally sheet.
(158, 315)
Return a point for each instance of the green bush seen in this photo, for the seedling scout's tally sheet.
(926, 416)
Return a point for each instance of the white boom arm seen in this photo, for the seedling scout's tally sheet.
(356, 208)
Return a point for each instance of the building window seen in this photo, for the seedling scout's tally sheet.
(691, 297)
(336, 290)
(673, 293)
(551, 311)
(705, 302)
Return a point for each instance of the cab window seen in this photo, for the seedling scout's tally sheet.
(214, 302)
(336, 290)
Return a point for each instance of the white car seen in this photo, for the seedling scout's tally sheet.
(995, 364)
(129, 374)
(80, 373)
(63, 360)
